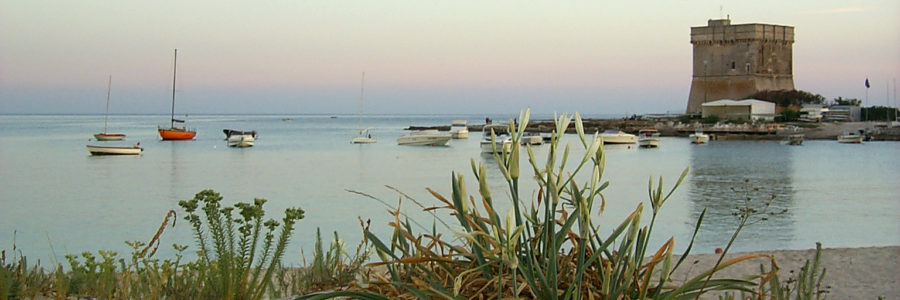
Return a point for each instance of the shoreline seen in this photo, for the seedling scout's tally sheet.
(776, 131)
(851, 273)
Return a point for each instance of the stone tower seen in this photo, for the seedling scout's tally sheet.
(736, 61)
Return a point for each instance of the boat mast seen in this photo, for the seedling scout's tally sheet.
(362, 86)
(106, 116)
(174, 69)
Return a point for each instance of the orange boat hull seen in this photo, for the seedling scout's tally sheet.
(176, 134)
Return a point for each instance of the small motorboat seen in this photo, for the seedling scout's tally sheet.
(531, 138)
(850, 138)
(458, 129)
(648, 138)
(613, 136)
(364, 137)
(504, 140)
(115, 150)
(698, 137)
(239, 138)
(430, 137)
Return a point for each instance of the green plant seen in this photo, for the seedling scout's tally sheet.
(807, 285)
(550, 250)
(234, 263)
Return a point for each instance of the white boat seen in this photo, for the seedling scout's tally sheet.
(531, 138)
(241, 140)
(648, 138)
(115, 150)
(458, 129)
(698, 137)
(430, 137)
(104, 136)
(613, 136)
(364, 136)
(850, 138)
(503, 142)
(238, 138)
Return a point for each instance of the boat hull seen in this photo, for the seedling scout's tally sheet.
(109, 136)
(432, 140)
(649, 142)
(699, 138)
(241, 141)
(850, 139)
(176, 134)
(460, 134)
(502, 145)
(532, 140)
(111, 150)
(362, 140)
(619, 139)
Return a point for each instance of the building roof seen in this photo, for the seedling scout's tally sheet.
(729, 102)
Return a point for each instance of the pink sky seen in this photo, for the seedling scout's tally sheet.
(615, 58)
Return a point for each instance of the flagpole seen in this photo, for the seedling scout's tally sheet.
(865, 115)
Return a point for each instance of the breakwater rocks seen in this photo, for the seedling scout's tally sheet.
(878, 131)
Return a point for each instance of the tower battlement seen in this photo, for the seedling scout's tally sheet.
(737, 61)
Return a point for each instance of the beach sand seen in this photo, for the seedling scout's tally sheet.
(852, 273)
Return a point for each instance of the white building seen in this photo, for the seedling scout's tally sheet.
(750, 109)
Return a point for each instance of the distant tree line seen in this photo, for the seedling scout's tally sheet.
(842, 101)
(787, 98)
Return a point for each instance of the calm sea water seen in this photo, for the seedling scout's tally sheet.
(56, 199)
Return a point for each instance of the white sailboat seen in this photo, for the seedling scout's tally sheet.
(104, 136)
(364, 137)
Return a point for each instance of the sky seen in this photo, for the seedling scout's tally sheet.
(422, 57)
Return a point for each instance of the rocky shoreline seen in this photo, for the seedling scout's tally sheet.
(879, 131)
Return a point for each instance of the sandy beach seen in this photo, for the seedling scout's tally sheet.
(852, 273)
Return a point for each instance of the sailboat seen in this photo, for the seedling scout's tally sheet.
(364, 137)
(172, 132)
(104, 136)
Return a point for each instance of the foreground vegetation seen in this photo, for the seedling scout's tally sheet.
(542, 248)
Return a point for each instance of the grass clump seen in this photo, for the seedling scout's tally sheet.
(549, 249)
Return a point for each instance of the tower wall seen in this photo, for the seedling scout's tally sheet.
(737, 61)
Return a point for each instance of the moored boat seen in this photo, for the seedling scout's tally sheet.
(613, 136)
(458, 129)
(364, 136)
(698, 137)
(104, 136)
(174, 132)
(531, 138)
(430, 137)
(503, 139)
(648, 138)
(239, 138)
(850, 138)
(114, 150)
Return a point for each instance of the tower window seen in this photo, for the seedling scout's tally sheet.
(732, 65)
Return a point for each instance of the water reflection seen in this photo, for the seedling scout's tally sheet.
(725, 174)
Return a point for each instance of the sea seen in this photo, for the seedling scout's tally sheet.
(57, 199)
